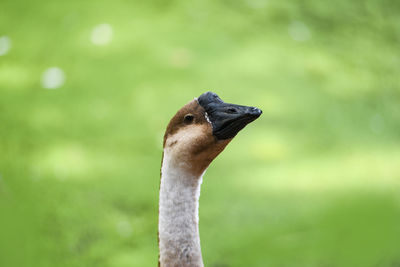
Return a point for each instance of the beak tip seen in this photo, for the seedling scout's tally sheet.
(256, 112)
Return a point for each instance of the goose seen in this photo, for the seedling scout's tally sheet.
(194, 137)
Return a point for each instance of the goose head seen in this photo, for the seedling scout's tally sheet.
(201, 129)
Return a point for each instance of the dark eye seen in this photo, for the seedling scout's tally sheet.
(188, 118)
(231, 110)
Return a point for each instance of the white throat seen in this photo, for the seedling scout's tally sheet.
(179, 240)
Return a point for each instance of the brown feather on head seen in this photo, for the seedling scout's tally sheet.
(189, 137)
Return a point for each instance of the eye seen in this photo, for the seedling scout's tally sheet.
(231, 110)
(188, 118)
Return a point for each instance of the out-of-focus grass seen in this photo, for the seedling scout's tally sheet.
(313, 182)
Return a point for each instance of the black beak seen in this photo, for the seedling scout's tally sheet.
(226, 119)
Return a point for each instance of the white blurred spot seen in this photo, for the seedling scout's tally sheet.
(102, 34)
(53, 78)
(124, 228)
(5, 45)
(299, 31)
(377, 124)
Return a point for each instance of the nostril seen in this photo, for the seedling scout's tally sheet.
(231, 110)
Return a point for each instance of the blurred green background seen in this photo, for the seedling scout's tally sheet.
(88, 87)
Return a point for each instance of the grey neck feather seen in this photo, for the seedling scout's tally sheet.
(179, 240)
